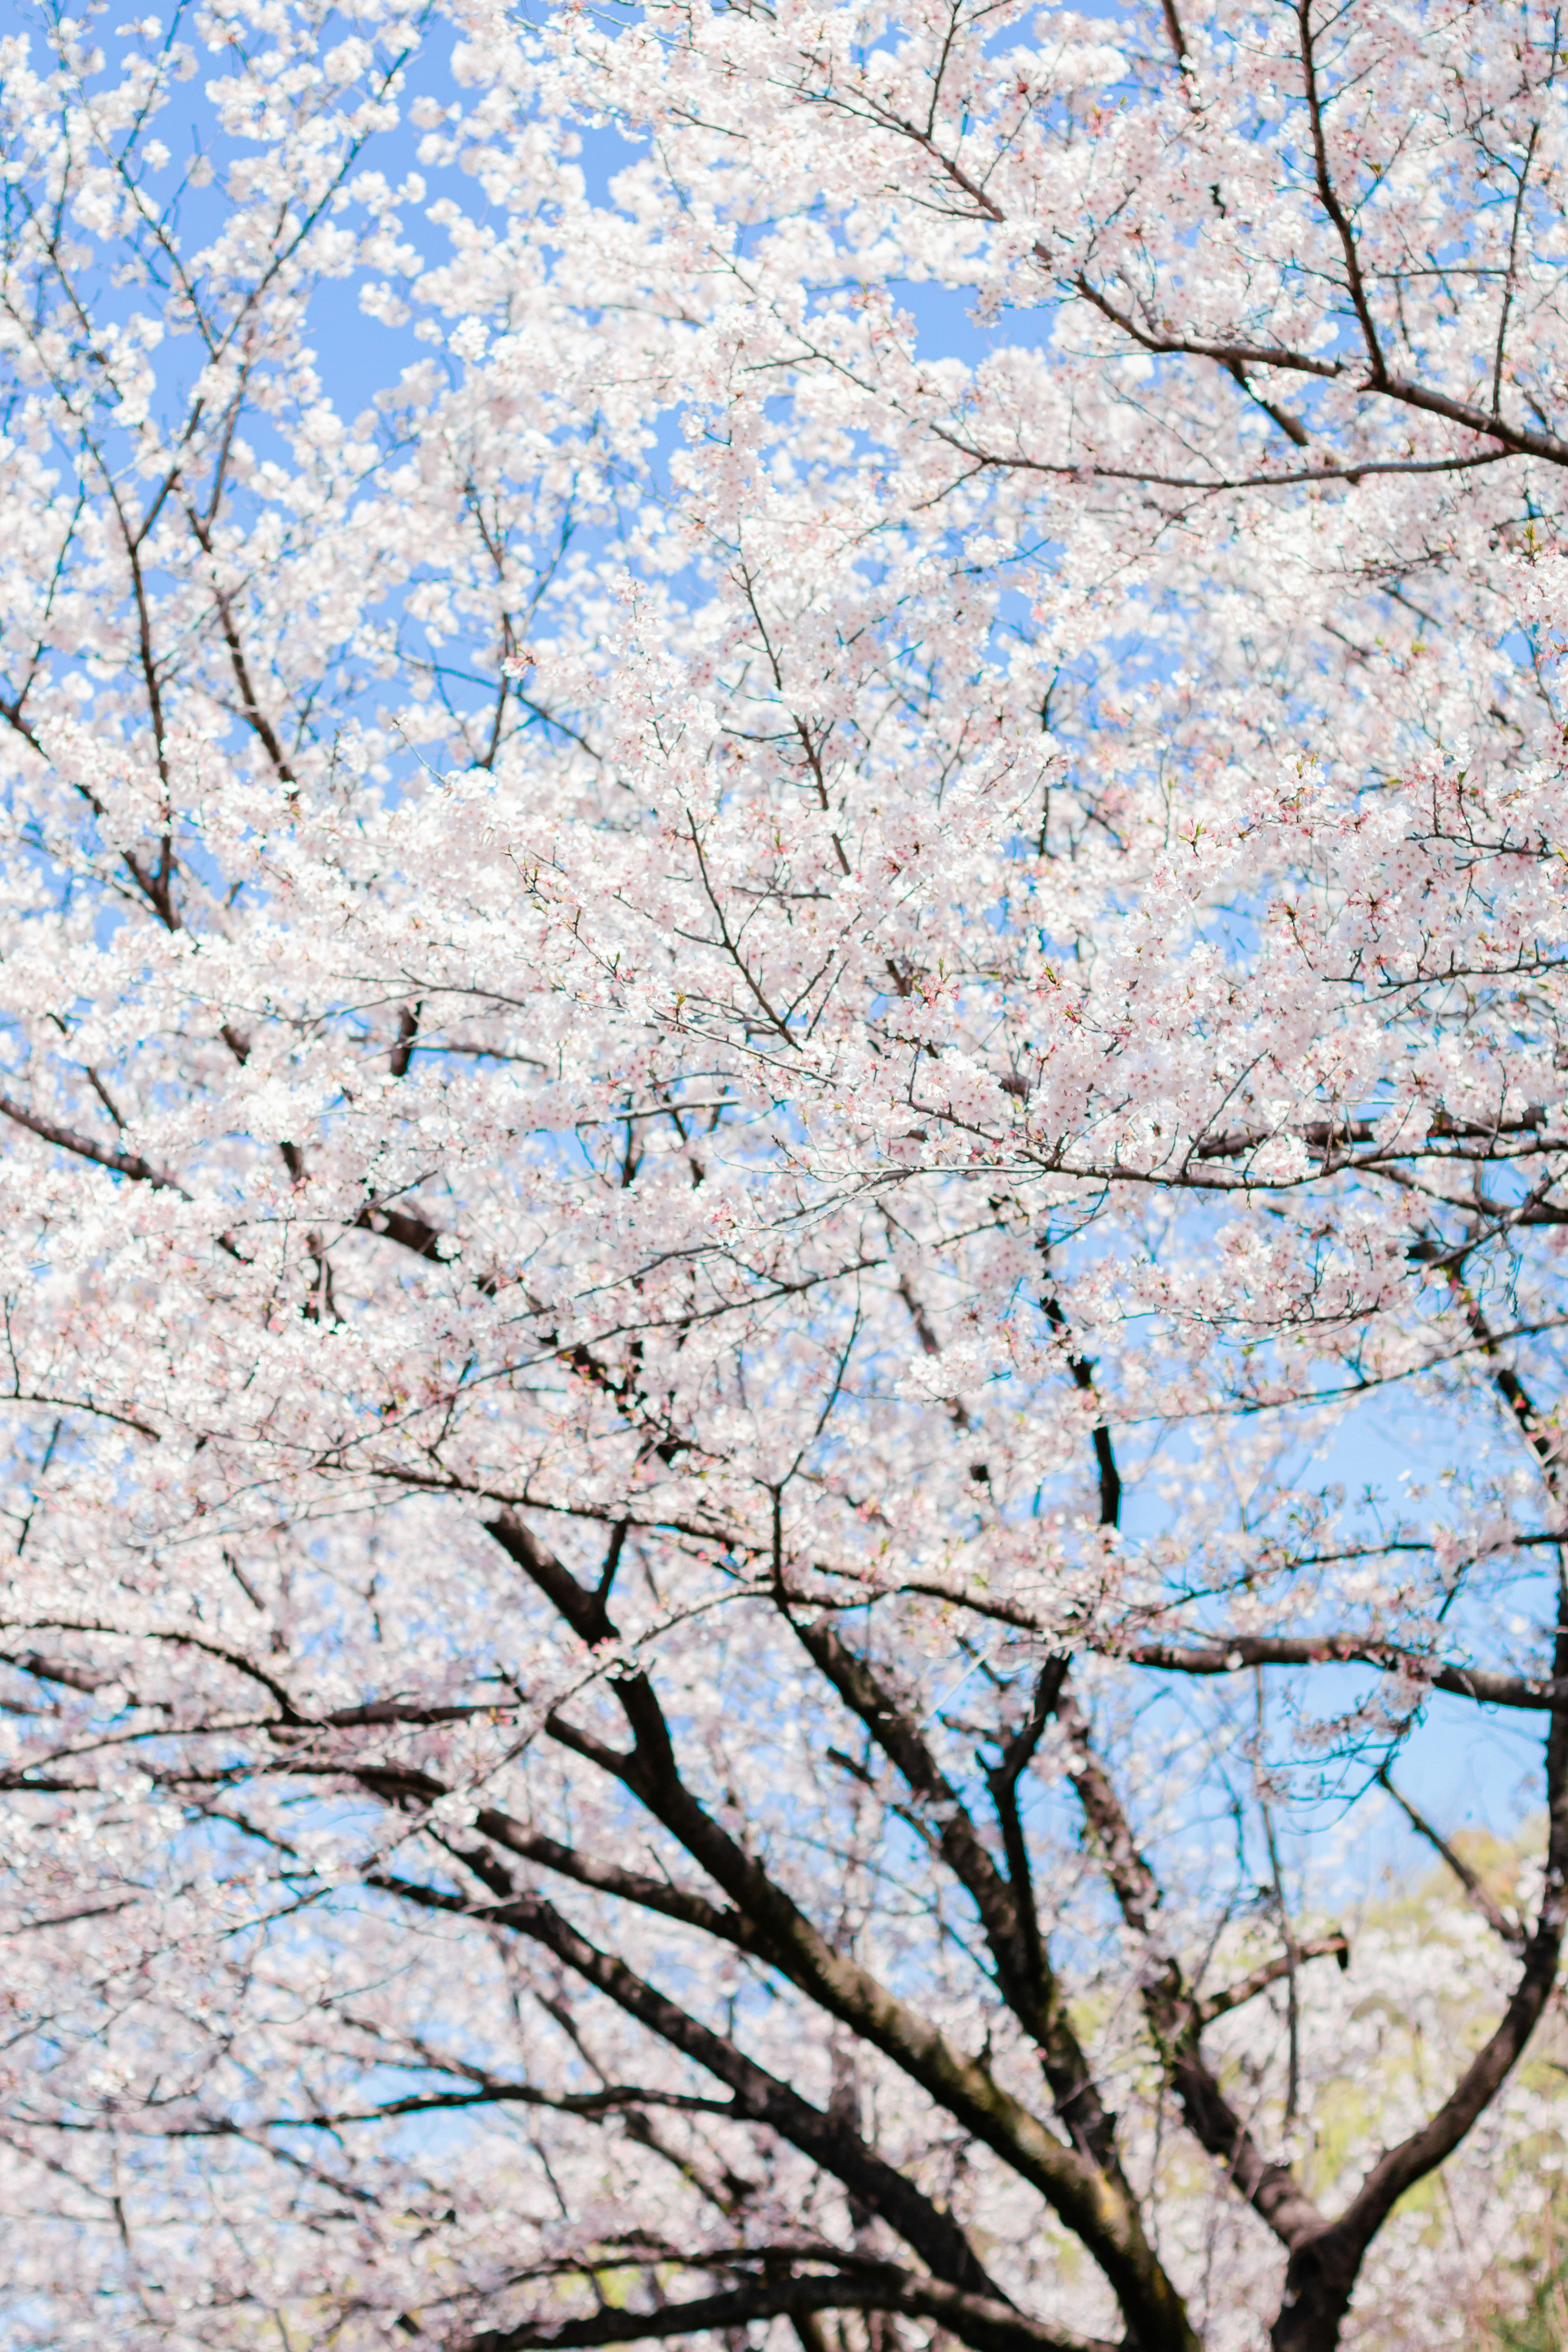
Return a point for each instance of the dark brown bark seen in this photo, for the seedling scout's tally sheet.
(1229, 1654)
(1093, 2204)
(1176, 2018)
(756, 2097)
(1006, 1911)
(989, 2326)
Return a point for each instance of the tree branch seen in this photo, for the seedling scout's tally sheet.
(1229, 1654)
(1271, 2189)
(1106, 2220)
(1323, 2268)
(1497, 1920)
(759, 2097)
(987, 2326)
(1208, 2006)
(1022, 1971)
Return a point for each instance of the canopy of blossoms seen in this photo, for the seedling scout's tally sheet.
(786, 1153)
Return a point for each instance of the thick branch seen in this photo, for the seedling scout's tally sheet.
(404, 1784)
(759, 2097)
(1229, 1654)
(1106, 2220)
(989, 2326)
(1007, 1912)
(1539, 1433)
(1174, 2019)
(410, 1232)
(1517, 440)
(102, 1155)
(1317, 1947)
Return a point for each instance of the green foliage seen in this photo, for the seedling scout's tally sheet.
(1545, 2327)
(1539, 2322)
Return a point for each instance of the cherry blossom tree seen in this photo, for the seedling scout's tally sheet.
(786, 1167)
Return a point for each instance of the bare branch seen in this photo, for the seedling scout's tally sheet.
(988, 2325)
(1230, 1654)
(1497, 1920)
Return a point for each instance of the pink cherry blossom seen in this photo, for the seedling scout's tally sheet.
(784, 913)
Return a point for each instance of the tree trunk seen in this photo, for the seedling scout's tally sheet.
(1319, 2282)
